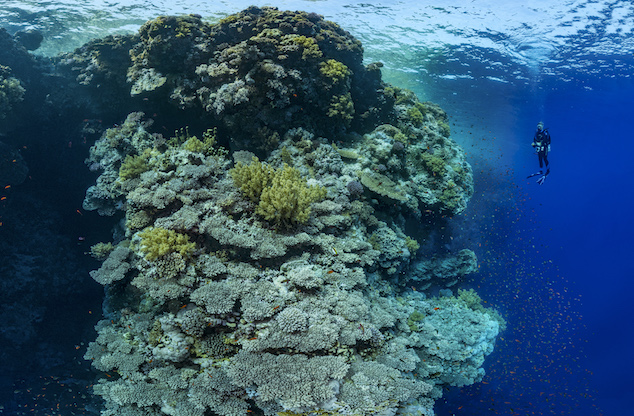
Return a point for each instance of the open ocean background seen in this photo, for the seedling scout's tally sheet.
(556, 259)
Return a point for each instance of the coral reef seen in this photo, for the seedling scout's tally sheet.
(280, 286)
(288, 199)
(278, 69)
(11, 91)
(412, 162)
(443, 271)
(307, 333)
(158, 242)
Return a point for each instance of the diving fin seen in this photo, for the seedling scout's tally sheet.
(534, 174)
(543, 178)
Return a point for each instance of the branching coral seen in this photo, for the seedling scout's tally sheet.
(341, 107)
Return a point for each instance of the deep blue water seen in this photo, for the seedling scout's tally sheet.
(555, 259)
(588, 207)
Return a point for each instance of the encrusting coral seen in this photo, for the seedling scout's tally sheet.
(279, 286)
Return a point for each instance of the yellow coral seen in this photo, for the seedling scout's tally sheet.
(288, 198)
(193, 145)
(157, 242)
(100, 251)
(412, 245)
(341, 106)
(133, 166)
(310, 46)
(334, 70)
(252, 178)
(434, 164)
(206, 145)
(282, 194)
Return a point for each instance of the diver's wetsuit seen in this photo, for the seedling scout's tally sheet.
(541, 143)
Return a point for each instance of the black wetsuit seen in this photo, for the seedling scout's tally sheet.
(541, 143)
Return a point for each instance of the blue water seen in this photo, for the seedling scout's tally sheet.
(555, 259)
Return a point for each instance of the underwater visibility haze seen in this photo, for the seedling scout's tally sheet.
(316, 207)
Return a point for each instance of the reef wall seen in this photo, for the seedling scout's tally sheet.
(261, 264)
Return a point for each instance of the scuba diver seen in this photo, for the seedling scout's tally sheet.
(541, 143)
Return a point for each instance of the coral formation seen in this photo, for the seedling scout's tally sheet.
(281, 195)
(157, 242)
(277, 69)
(11, 91)
(334, 70)
(287, 200)
(280, 286)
